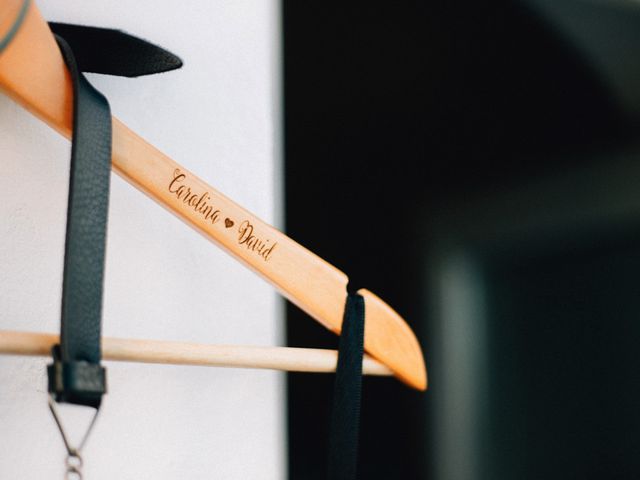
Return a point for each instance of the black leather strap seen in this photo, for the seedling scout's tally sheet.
(76, 375)
(345, 416)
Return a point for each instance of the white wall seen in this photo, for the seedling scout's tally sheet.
(219, 117)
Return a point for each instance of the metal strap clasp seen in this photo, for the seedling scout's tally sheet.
(73, 462)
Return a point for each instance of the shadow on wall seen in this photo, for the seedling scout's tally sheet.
(474, 165)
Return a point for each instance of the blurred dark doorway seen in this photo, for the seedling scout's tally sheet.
(457, 159)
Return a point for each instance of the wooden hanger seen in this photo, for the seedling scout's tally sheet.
(33, 73)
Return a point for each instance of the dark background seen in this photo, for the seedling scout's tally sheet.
(426, 139)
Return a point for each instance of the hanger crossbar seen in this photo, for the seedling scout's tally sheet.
(288, 359)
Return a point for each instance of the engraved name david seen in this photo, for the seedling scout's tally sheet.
(264, 248)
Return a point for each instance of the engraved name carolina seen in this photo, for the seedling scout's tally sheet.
(187, 196)
(200, 202)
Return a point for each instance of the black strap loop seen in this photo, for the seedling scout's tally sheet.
(345, 416)
(76, 376)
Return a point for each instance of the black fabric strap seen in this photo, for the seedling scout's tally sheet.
(345, 416)
(76, 375)
(113, 52)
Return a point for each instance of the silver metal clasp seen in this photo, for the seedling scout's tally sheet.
(73, 462)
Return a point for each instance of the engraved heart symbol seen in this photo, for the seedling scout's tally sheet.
(228, 222)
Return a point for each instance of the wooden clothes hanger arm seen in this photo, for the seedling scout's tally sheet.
(183, 353)
(33, 73)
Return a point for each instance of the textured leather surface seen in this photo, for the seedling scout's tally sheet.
(78, 382)
(86, 219)
(85, 243)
